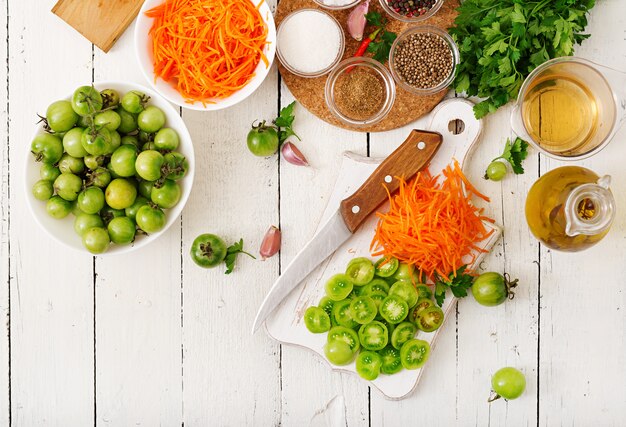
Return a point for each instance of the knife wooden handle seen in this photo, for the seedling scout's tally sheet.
(412, 156)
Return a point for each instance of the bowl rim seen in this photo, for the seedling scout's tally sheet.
(360, 61)
(412, 19)
(139, 38)
(342, 44)
(176, 211)
(321, 4)
(431, 29)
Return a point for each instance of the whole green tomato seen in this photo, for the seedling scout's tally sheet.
(208, 250)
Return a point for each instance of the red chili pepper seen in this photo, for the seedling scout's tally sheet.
(366, 42)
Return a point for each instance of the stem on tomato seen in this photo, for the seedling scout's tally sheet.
(493, 397)
(510, 284)
(206, 249)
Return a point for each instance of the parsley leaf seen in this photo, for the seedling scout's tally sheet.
(380, 49)
(502, 41)
(284, 121)
(375, 19)
(515, 152)
(231, 255)
(458, 282)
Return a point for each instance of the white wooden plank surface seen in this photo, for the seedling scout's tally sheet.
(4, 231)
(172, 341)
(51, 287)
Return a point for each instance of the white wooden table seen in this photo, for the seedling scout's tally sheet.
(151, 339)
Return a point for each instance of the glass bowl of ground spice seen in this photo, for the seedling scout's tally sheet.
(423, 59)
(411, 10)
(360, 91)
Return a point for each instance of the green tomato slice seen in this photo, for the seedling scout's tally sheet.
(376, 285)
(430, 319)
(363, 309)
(414, 353)
(402, 333)
(342, 315)
(360, 271)
(386, 266)
(394, 309)
(422, 304)
(339, 287)
(424, 291)
(391, 360)
(346, 335)
(327, 305)
(316, 320)
(374, 336)
(338, 352)
(406, 291)
(368, 364)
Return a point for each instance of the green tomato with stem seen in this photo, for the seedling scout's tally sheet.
(166, 195)
(108, 119)
(69, 164)
(128, 121)
(150, 219)
(47, 148)
(97, 142)
(60, 116)
(207, 250)
(134, 101)
(508, 383)
(86, 100)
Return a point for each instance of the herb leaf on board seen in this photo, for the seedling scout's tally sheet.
(515, 152)
(284, 123)
(231, 255)
(458, 282)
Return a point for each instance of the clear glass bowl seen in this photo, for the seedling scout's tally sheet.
(423, 29)
(290, 67)
(333, 7)
(419, 18)
(350, 65)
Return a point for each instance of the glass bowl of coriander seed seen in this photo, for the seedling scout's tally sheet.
(360, 91)
(423, 60)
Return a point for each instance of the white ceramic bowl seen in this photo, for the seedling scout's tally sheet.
(62, 230)
(143, 51)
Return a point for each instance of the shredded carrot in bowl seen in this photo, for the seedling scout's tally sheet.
(207, 49)
(432, 223)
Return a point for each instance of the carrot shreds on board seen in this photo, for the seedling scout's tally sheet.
(432, 223)
(207, 49)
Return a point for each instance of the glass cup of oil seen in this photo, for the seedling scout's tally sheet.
(569, 108)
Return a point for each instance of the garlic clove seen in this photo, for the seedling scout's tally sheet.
(294, 156)
(356, 20)
(271, 243)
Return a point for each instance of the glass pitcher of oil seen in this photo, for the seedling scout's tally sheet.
(570, 208)
(570, 108)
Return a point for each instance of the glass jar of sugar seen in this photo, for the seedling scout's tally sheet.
(310, 42)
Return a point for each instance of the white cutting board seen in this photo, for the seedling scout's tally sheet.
(286, 324)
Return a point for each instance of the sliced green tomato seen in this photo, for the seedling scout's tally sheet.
(430, 319)
(346, 335)
(316, 320)
(424, 291)
(339, 287)
(406, 291)
(404, 272)
(414, 353)
(394, 309)
(360, 271)
(357, 291)
(368, 365)
(363, 309)
(402, 333)
(326, 304)
(386, 266)
(338, 353)
(376, 285)
(374, 336)
(391, 360)
(422, 304)
(342, 315)
(378, 297)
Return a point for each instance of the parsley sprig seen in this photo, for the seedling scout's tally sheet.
(284, 123)
(231, 255)
(514, 152)
(458, 282)
(502, 41)
(380, 46)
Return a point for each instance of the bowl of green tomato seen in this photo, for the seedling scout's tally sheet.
(110, 168)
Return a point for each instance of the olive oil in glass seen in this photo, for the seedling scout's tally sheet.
(570, 208)
(560, 113)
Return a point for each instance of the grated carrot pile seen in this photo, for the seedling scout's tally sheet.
(432, 223)
(207, 49)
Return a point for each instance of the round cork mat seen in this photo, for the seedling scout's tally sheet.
(407, 107)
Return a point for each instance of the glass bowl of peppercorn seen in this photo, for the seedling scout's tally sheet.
(411, 10)
(360, 91)
(423, 59)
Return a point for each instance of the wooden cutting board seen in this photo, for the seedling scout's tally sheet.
(101, 21)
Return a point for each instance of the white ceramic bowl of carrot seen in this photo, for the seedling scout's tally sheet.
(205, 64)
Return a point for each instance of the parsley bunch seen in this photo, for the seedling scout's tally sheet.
(458, 282)
(502, 41)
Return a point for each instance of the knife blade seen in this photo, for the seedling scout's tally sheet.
(409, 158)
